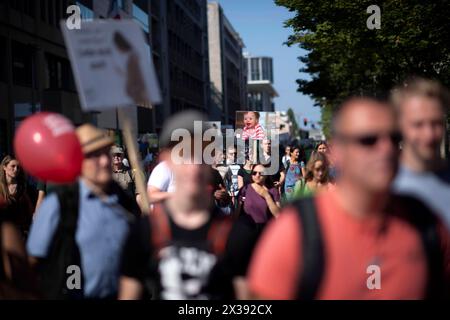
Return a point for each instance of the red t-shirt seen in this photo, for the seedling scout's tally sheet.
(350, 246)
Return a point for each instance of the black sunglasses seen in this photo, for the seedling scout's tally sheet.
(254, 173)
(370, 140)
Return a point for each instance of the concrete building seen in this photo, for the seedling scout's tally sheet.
(35, 73)
(227, 67)
(260, 83)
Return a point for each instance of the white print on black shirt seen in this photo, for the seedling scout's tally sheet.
(184, 271)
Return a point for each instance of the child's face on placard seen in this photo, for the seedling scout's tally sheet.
(250, 120)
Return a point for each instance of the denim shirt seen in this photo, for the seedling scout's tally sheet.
(102, 229)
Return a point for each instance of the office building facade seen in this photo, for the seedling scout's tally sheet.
(35, 72)
(261, 91)
(227, 67)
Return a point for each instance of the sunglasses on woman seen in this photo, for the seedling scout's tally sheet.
(261, 173)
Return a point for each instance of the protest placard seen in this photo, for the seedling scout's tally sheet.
(112, 65)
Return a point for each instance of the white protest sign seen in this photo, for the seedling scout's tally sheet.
(112, 64)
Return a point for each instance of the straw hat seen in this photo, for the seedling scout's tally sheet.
(92, 138)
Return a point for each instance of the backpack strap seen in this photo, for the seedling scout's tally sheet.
(426, 224)
(218, 234)
(160, 228)
(312, 249)
(63, 250)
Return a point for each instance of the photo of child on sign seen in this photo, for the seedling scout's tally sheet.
(251, 127)
(135, 85)
(255, 127)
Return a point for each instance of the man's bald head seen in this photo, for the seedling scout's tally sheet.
(344, 115)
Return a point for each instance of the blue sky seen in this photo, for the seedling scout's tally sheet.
(260, 24)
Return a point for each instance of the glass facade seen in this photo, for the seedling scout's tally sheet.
(23, 110)
(3, 59)
(254, 69)
(86, 13)
(140, 15)
(22, 64)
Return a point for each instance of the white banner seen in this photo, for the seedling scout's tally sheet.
(112, 64)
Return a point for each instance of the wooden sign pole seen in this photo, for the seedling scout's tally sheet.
(135, 159)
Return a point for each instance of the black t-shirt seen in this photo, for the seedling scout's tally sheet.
(246, 175)
(216, 180)
(186, 268)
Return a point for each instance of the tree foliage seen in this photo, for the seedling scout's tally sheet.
(344, 57)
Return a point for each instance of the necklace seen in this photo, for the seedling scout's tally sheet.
(12, 188)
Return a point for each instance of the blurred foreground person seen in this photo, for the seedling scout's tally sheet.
(359, 241)
(79, 230)
(180, 250)
(423, 108)
(16, 280)
(13, 189)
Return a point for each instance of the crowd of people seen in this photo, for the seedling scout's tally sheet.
(374, 197)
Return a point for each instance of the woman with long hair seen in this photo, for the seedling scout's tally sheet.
(295, 170)
(323, 148)
(17, 280)
(13, 189)
(316, 178)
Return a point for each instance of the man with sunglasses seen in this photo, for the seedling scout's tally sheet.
(423, 105)
(357, 241)
(79, 230)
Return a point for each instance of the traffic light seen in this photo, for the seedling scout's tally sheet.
(305, 122)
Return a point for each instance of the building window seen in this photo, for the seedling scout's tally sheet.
(254, 67)
(22, 64)
(140, 16)
(23, 110)
(86, 13)
(271, 70)
(265, 69)
(58, 73)
(3, 59)
(51, 12)
(24, 6)
(43, 10)
(3, 138)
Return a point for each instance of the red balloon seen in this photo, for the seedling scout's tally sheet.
(47, 148)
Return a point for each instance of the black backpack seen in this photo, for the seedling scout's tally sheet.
(313, 248)
(64, 250)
